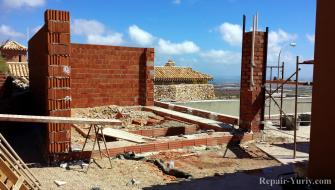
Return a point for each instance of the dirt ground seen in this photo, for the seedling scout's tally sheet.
(200, 162)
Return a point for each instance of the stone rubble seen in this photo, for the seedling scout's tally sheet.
(131, 117)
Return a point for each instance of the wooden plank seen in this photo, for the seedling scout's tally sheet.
(18, 184)
(3, 186)
(3, 177)
(125, 135)
(52, 119)
(24, 187)
(7, 171)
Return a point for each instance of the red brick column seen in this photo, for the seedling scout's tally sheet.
(146, 84)
(58, 77)
(149, 77)
(252, 96)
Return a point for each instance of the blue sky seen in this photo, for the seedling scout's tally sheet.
(203, 34)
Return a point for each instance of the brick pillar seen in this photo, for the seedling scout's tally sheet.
(150, 54)
(58, 80)
(146, 91)
(252, 97)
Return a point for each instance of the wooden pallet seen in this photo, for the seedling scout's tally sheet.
(14, 173)
(9, 179)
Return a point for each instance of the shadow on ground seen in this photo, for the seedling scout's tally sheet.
(258, 179)
(301, 146)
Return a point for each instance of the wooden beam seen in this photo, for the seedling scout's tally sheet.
(7, 171)
(3, 186)
(52, 119)
(18, 184)
(125, 135)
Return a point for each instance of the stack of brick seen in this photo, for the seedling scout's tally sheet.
(252, 96)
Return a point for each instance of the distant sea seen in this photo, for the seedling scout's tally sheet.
(226, 79)
(236, 79)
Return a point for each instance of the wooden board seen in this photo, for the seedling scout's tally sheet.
(125, 135)
(52, 119)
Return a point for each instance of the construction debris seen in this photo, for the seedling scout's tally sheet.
(60, 183)
(166, 169)
(133, 182)
(131, 117)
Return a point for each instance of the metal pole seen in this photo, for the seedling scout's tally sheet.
(270, 93)
(296, 108)
(275, 102)
(252, 63)
(278, 65)
(281, 97)
(284, 82)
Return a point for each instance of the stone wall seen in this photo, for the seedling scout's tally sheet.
(184, 92)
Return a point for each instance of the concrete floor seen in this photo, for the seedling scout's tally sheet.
(280, 144)
(232, 107)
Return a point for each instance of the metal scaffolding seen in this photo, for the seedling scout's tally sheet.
(280, 86)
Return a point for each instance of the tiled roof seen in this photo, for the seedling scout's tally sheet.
(18, 69)
(179, 74)
(13, 45)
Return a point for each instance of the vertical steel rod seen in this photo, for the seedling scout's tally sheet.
(281, 96)
(270, 94)
(296, 108)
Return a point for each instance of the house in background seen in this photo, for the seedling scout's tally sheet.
(175, 83)
(13, 51)
(17, 77)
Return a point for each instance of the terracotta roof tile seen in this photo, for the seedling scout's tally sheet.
(13, 45)
(18, 69)
(174, 73)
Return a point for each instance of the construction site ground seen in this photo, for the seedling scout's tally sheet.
(212, 167)
(200, 162)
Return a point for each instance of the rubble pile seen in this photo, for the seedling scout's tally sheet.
(21, 83)
(131, 117)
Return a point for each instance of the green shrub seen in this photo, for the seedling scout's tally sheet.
(3, 66)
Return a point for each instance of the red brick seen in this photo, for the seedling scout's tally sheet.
(148, 148)
(199, 142)
(116, 151)
(159, 132)
(136, 149)
(175, 144)
(161, 146)
(186, 143)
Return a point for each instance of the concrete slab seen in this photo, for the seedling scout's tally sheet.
(284, 152)
(202, 122)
